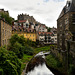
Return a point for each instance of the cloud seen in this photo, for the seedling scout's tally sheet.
(58, 0)
(45, 11)
(46, 0)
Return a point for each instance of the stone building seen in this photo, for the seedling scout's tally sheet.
(5, 32)
(66, 25)
(26, 17)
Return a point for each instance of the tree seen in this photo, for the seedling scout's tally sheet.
(17, 49)
(9, 63)
(20, 45)
(7, 17)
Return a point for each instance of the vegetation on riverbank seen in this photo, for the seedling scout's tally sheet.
(19, 52)
(45, 48)
(54, 63)
(14, 58)
(9, 63)
(26, 58)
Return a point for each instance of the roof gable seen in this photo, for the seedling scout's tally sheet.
(69, 7)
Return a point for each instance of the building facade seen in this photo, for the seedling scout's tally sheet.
(28, 35)
(42, 28)
(66, 25)
(5, 32)
(44, 37)
(54, 37)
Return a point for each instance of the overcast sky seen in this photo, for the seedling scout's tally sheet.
(44, 11)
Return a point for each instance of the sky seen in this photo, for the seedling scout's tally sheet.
(44, 11)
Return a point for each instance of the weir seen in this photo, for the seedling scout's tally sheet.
(37, 65)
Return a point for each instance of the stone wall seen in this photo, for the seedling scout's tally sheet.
(65, 57)
(5, 33)
(62, 57)
(71, 51)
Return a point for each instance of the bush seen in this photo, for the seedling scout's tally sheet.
(72, 70)
(28, 50)
(7, 17)
(9, 63)
(20, 45)
(53, 62)
(14, 39)
(17, 48)
(1, 71)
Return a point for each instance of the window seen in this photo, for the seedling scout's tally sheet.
(5, 32)
(60, 25)
(55, 38)
(33, 35)
(66, 20)
(49, 37)
(73, 19)
(3, 24)
(3, 42)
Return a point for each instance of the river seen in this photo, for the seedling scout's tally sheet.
(37, 65)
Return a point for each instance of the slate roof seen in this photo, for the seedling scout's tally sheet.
(72, 7)
(45, 33)
(69, 7)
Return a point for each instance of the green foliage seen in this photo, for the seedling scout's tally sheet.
(23, 41)
(28, 50)
(45, 48)
(26, 58)
(7, 17)
(1, 71)
(14, 38)
(31, 43)
(9, 63)
(48, 29)
(17, 48)
(19, 45)
(53, 62)
(71, 70)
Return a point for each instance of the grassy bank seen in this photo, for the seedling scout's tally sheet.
(25, 60)
(45, 48)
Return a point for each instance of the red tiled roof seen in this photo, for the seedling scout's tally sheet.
(22, 21)
(42, 25)
(45, 33)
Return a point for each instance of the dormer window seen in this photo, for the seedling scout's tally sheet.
(68, 4)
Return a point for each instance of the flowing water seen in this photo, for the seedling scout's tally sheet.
(41, 68)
